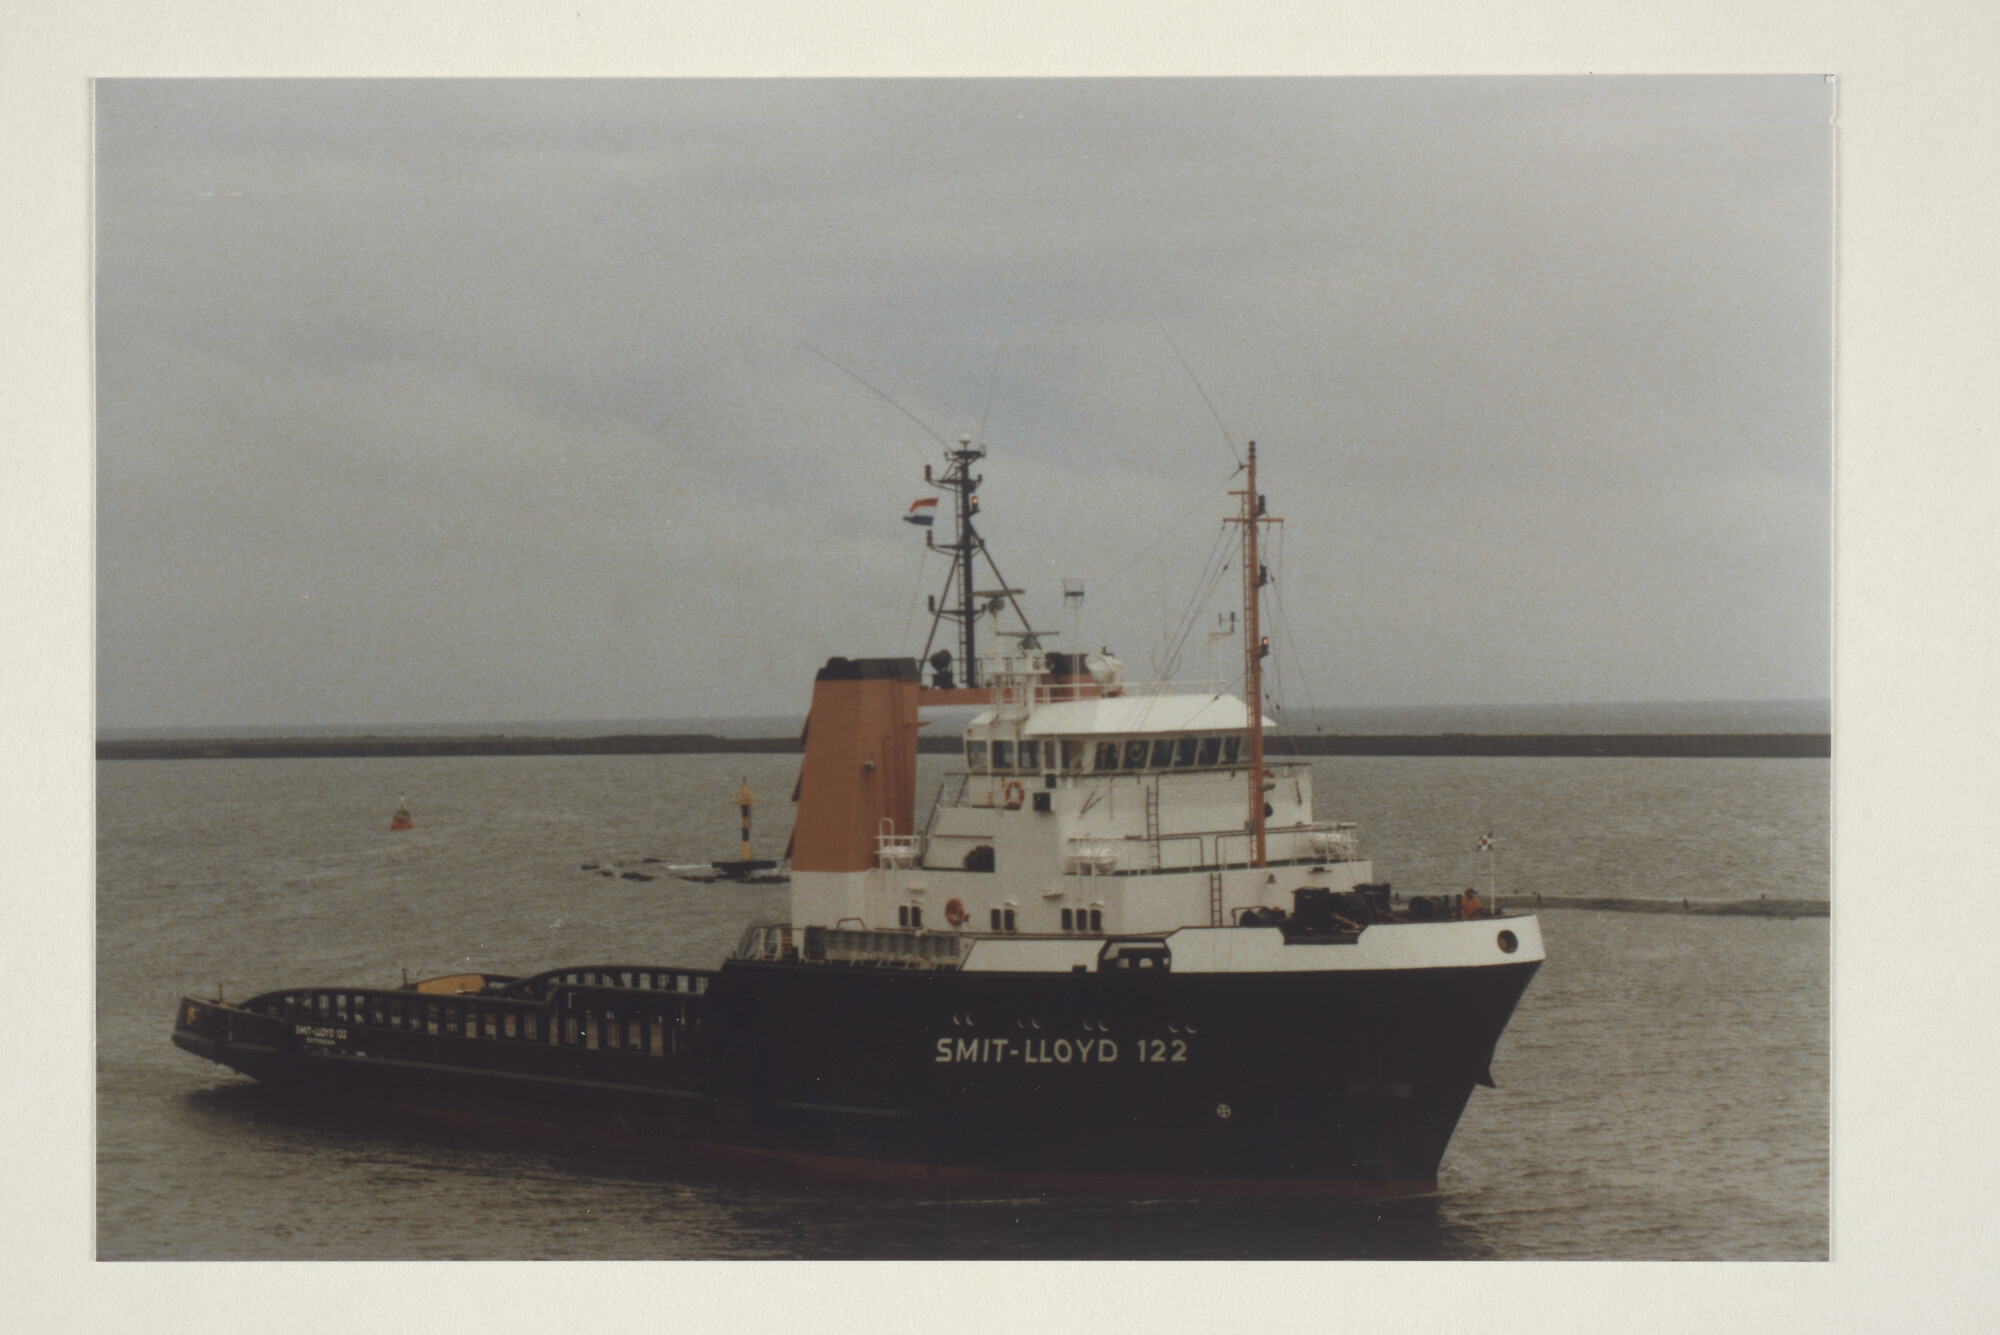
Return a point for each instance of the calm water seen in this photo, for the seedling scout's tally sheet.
(1663, 1089)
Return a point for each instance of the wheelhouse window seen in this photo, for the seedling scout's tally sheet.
(1074, 753)
(1135, 753)
(1211, 750)
(1107, 757)
(1003, 755)
(1232, 747)
(1031, 755)
(1184, 752)
(975, 755)
(1163, 753)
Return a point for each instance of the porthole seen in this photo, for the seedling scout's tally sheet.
(1509, 943)
(1222, 1111)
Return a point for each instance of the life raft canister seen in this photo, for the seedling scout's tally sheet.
(954, 912)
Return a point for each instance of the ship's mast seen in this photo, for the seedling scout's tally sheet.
(964, 484)
(1256, 645)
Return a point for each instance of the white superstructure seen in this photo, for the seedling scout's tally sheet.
(1092, 814)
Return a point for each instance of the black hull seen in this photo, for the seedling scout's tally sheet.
(1320, 1083)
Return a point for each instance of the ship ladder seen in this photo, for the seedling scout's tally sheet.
(1215, 899)
(1153, 821)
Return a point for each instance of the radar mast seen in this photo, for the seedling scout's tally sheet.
(960, 601)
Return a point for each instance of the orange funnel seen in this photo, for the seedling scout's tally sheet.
(860, 766)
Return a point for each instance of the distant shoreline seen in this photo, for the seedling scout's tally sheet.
(1739, 908)
(1747, 745)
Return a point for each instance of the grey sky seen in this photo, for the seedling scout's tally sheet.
(441, 401)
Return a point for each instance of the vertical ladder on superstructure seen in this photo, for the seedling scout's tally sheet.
(1153, 821)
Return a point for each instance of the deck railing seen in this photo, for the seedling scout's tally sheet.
(782, 943)
(898, 850)
(652, 1013)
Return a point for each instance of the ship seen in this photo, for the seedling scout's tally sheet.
(1120, 954)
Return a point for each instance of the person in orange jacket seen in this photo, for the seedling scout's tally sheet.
(1469, 906)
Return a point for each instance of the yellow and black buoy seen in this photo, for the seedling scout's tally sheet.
(401, 820)
(745, 865)
(745, 799)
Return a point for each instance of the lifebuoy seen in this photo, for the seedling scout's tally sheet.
(1014, 793)
(954, 912)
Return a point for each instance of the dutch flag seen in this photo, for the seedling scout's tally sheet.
(922, 512)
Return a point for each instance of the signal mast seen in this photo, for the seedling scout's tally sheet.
(1256, 646)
